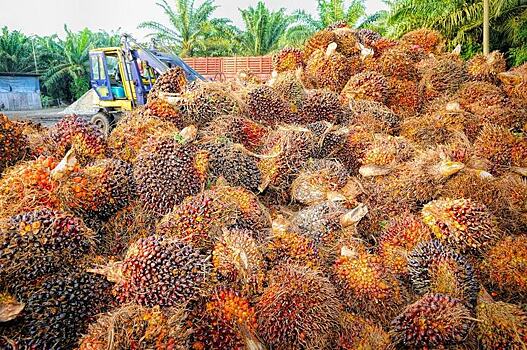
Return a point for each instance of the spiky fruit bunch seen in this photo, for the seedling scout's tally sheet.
(85, 138)
(58, 312)
(382, 45)
(357, 141)
(374, 115)
(368, 85)
(347, 42)
(394, 62)
(480, 98)
(234, 164)
(167, 171)
(34, 244)
(286, 150)
(28, 186)
(227, 321)
(462, 223)
(441, 77)
(137, 327)
(399, 238)
(505, 264)
(367, 287)
(318, 41)
(387, 151)
(404, 97)
(329, 69)
(322, 105)
(330, 139)
(161, 271)
(237, 258)
(500, 146)
(173, 81)
(13, 144)
(246, 77)
(318, 181)
(360, 333)
(290, 88)
(368, 37)
(514, 81)
(487, 68)
(297, 309)
(287, 59)
(513, 189)
(197, 220)
(431, 41)
(438, 269)
(434, 321)
(286, 246)
(501, 325)
(238, 130)
(265, 105)
(160, 108)
(36, 135)
(207, 101)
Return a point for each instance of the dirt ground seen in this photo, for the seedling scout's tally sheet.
(46, 117)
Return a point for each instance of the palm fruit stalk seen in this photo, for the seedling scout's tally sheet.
(137, 327)
(14, 145)
(505, 268)
(434, 321)
(159, 271)
(357, 332)
(237, 259)
(173, 81)
(368, 85)
(399, 238)
(86, 139)
(462, 223)
(297, 309)
(227, 321)
(166, 171)
(38, 243)
(513, 82)
(438, 269)
(288, 59)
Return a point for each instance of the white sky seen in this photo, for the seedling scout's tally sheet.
(45, 17)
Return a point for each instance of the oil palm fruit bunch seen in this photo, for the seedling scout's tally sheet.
(164, 110)
(368, 85)
(367, 37)
(441, 76)
(85, 138)
(285, 152)
(238, 260)
(227, 321)
(290, 88)
(501, 325)
(367, 287)
(357, 332)
(330, 139)
(502, 148)
(173, 81)
(399, 237)
(513, 189)
(207, 101)
(159, 271)
(432, 322)
(166, 171)
(297, 309)
(37, 243)
(395, 62)
(234, 163)
(375, 116)
(356, 141)
(404, 97)
(513, 82)
(487, 68)
(14, 146)
(439, 269)
(319, 180)
(237, 129)
(322, 105)
(327, 68)
(288, 246)
(265, 105)
(137, 327)
(36, 135)
(288, 59)
(384, 153)
(462, 223)
(347, 42)
(198, 219)
(505, 265)
(58, 311)
(318, 41)
(132, 132)
(431, 41)
(28, 186)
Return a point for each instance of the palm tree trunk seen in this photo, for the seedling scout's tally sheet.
(486, 34)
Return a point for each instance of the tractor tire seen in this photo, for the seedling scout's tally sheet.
(104, 122)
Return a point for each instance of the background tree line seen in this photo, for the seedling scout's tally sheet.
(193, 30)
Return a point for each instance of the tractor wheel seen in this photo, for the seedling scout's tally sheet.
(103, 121)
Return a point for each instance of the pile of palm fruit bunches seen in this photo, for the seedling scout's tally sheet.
(371, 195)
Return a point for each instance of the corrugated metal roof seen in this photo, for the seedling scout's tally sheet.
(13, 74)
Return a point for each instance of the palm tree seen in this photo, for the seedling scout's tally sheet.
(191, 28)
(264, 29)
(16, 52)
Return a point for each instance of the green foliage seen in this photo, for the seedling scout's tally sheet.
(16, 53)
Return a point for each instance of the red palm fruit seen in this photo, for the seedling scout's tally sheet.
(14, 145)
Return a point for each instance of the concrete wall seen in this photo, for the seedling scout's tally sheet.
(19, 93)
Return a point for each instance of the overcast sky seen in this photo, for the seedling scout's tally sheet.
(44, 17)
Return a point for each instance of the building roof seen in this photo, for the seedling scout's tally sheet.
(13, 74)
